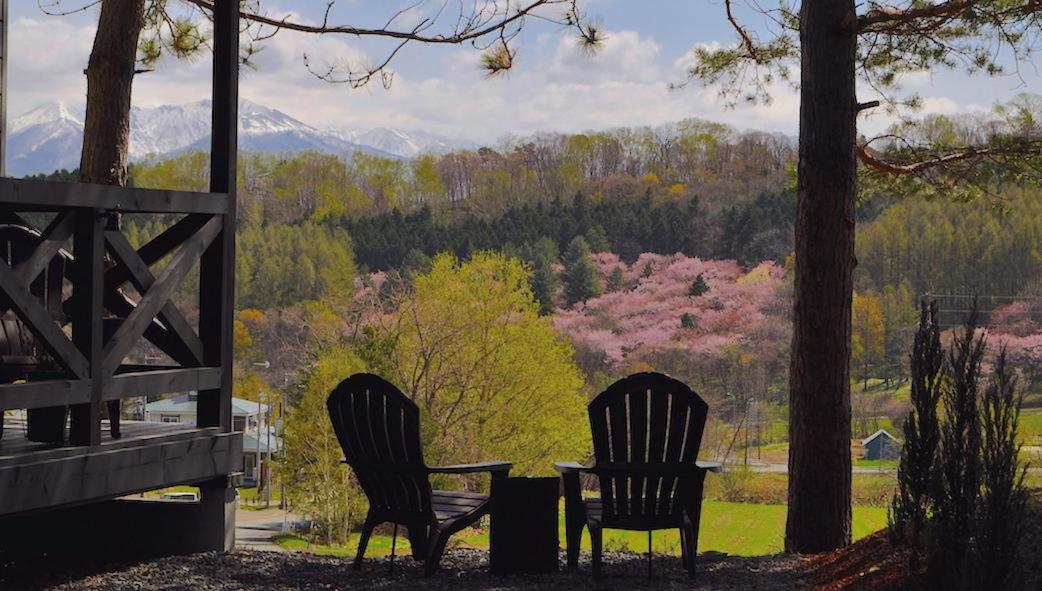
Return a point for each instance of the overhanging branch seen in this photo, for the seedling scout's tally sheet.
(1026, 148)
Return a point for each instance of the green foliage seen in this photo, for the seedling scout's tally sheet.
(937, 247)
(581, 281)
(951, 555)
(699, 287)
(868, 334)
(545, 279)
(688, 321)
(917, 477)
(317, 484)
(279, 265)
(495, 379)
(616, 280)
(1004, 496)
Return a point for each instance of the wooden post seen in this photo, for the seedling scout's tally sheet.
(88, 321)
(4, 28)
(217, 268)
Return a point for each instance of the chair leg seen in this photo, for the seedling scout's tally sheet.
(113, 410)
(649, 554)
(595, 547)
(437, 547)
(574, 517)
(689, 546)
(363, 540)
(418, 538)
(573, 534)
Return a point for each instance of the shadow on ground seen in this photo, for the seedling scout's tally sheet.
(461, 570)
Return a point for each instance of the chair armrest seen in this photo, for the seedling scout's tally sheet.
(569, 467)
(472, 468)
(710, 466)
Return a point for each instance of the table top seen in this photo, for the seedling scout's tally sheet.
(567, 467)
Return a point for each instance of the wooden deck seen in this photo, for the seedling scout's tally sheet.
(36, 476)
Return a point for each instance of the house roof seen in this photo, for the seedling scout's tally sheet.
(184, 404)
(877, 435)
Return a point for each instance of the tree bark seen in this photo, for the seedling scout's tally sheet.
(819, 429)
(110, 78)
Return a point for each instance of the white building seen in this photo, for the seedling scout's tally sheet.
(251, 418)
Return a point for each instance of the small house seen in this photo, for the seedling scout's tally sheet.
(881, 445)
(254, 420)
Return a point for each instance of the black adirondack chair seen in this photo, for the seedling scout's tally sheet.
(646, 429)
(379, 430)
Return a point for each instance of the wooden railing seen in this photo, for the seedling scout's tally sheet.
(87, 347)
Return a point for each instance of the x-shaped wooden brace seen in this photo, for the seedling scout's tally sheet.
(155, 292)
(15, 285)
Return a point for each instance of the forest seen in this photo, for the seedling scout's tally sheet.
(666, 249)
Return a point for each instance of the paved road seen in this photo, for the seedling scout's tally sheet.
(255, 530)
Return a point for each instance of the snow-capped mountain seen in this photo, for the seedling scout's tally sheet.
(49, 137)
(44, 139)
(405, 144)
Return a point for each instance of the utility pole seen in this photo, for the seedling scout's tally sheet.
(267, 465)
(747, 404)
(258, 472)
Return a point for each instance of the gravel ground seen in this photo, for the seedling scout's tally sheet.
(462, 570)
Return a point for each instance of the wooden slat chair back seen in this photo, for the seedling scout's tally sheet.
(379, 430)
(646, 430)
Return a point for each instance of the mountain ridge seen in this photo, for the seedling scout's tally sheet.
(48, 137)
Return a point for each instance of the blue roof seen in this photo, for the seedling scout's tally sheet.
(185, 404)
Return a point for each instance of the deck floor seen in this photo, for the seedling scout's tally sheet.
(16, 449)
(148, 456)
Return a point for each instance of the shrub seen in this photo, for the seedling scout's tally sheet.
(916, 477)
(1003, 494)
(734, 483)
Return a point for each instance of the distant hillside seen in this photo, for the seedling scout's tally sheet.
(49, 137)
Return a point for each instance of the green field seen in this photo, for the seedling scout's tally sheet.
(743, 529)
(1031, 427)
(875, 464)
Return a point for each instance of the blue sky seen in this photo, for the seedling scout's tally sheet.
(554, 87)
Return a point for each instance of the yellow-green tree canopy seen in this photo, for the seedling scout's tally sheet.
(494, 379)
(317, 484)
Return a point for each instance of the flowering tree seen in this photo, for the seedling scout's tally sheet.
(729, 340)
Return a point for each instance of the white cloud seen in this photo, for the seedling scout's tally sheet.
(555, 86)
(48, 56)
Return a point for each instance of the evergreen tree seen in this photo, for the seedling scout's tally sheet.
(917, 479)
(545, 280)
(598, 239)
(687, 321)
(699, 287)
(616, 280)
(580, 274)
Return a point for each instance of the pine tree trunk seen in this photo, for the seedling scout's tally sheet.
(819, 429)
(110, 78)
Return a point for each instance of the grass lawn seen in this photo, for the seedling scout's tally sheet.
(743, 529)
(875, 464)
(1031, 427)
